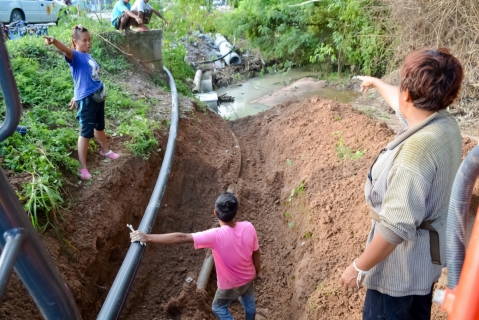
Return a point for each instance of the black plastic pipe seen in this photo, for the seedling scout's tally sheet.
(116, 298)
(461, 195)
(33, 265)
(10, 92)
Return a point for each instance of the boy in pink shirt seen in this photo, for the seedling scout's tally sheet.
(235, 251)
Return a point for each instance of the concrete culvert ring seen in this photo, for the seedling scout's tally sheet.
(235, 60)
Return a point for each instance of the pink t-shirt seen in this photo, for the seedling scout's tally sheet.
(233, 252)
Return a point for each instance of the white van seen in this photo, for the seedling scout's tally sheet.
(31, 11)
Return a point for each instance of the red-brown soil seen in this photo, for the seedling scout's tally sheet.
(307, 237)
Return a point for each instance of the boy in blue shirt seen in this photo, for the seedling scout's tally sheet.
(121, 15)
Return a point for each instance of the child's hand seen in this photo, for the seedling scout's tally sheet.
(138, 236)
(72, 104)
(49, 40)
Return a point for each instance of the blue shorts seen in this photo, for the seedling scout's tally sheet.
(91, 116)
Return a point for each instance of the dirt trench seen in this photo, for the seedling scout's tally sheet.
(306, 203)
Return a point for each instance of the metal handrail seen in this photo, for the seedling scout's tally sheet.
(115, 300)
(10, 92)
(33, 264)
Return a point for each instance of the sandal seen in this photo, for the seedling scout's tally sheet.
(110, 155)
(84, 174)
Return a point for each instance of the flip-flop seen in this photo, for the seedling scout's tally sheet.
(110, 155)
(84, 174)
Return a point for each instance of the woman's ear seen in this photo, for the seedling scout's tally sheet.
(407, 96)
(214, 212)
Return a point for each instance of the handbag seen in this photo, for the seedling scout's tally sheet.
(99, 95)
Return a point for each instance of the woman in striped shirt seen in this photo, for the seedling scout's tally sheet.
(408, 190)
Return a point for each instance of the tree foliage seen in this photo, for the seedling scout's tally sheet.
(346, 33)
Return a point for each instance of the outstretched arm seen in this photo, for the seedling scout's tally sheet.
(161, 17)
(167, 238)
(257, 261)
(60, 46)
(389, 92)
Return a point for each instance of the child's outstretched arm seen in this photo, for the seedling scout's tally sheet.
(167, 238)
(60, 46)
(257, 261)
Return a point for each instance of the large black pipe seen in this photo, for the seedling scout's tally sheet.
(10, 92)
(461, 195)
(33, 265)
(115, 300)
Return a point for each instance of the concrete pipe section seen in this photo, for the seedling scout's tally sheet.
(225, 47)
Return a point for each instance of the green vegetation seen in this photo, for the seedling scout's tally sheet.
(46, 87)
(295, 191)
(345, 152)
(351, 37)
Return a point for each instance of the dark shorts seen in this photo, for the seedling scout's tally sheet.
(91, 116)
(123, 15)
(380, 306)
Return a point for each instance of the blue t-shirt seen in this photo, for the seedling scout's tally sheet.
(85, 74)
(118, 10)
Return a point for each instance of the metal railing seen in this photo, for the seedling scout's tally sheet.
(21, 246)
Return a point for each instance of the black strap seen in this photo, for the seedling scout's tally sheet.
(434, 247)
(433, 241)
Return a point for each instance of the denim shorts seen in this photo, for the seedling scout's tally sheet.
(91, 116)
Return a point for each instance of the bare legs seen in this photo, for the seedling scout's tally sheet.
(83, 144)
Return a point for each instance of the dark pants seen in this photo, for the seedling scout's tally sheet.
(379, 306)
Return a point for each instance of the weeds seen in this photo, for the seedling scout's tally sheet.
(46, 87)
(343, 151)
(296, 191)
(369, 113)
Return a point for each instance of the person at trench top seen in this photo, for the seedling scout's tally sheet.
(145, 11)
(408, 189)
(89, 95)
(235, 251)
(122, 16)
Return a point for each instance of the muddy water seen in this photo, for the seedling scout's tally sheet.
(258, 87)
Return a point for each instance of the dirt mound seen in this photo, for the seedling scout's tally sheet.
(308, 203)
(191, 304)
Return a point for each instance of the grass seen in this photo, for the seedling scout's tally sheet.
(343, 151)
(369, 113)
(46, 87)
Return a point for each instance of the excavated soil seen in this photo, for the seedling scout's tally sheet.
(307, 236)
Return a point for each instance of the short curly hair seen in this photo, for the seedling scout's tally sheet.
(433, 78)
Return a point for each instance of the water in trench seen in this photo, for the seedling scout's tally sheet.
(247, 92)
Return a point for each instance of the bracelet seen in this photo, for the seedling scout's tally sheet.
(361, 273)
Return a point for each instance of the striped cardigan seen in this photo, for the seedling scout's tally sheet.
(411, 181)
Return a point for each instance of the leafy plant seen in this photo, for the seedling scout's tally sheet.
(345, 152)
(142, 141)
(295, 191)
